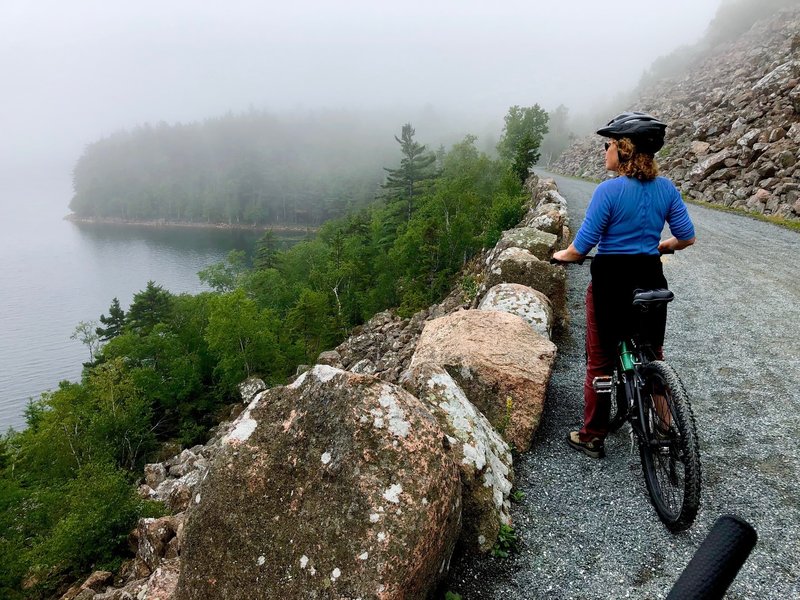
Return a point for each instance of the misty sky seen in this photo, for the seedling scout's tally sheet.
(75, 70)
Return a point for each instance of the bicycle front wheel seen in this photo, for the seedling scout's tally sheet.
(670, 452)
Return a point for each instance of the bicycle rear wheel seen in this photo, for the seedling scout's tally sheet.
(670, 452)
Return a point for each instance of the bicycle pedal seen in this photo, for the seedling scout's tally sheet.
(603, 385)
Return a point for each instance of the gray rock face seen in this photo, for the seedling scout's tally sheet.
(338, 486)
(250, 387)
(734, 122)
(483, 457)
(539, 243)
(331, 358)
(521, 300)
(515, 265)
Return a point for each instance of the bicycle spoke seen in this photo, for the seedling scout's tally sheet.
(669, 448)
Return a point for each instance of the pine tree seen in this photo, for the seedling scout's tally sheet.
(415, 173)
(149, 307)
(114, 322)
(266, 251)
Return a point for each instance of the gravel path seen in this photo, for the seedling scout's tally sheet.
(587, 527)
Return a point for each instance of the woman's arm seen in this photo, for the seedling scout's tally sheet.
(672, 244)
(568, 255)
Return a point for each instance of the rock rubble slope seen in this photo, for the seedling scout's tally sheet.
(734, 123)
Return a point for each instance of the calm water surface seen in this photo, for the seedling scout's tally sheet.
(54, 273)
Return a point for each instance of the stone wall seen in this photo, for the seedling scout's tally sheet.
(734, 123)
(360, 477)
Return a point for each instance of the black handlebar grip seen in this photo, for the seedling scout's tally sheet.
(717, 561)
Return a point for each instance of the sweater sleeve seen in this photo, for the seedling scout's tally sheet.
(594, 223)
(680, 224)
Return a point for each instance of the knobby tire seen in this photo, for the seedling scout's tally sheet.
(670, 455)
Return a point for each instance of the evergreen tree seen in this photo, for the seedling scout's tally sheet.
(415, 173)
(149, 307)
(266, 251)
(114, 322)
(522, 135)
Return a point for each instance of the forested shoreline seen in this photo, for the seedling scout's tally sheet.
(187, 224)
(253, 168)
(164, 371)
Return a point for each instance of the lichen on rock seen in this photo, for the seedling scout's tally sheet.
(389, 493)
(521, 300)
(484, 458)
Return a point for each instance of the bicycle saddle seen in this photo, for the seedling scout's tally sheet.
(646, 298)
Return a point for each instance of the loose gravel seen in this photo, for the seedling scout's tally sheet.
(587, 529)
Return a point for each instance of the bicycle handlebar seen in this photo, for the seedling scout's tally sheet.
(716, 562)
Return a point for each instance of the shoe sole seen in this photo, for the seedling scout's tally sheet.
(587, 451)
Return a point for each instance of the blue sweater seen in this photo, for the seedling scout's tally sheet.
(626, 216)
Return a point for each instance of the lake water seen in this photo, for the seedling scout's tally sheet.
(54, 274)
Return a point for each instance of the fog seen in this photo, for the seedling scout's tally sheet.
(75, 71)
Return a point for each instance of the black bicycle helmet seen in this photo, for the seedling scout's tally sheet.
(645, 131)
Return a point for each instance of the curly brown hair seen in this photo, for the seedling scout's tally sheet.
(635, 164)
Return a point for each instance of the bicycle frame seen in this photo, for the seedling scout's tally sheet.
(631, 358)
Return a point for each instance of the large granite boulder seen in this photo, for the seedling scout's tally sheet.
(539, 243)
(90, 587)
(163, 583)
(515, 265)
(331, 358)
(482, 455)
(530, 304)
(500, 363)
(337, 486)
(548, 212)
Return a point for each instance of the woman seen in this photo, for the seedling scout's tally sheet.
(624, 220)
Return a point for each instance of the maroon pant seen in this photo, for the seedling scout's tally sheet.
(599, 363)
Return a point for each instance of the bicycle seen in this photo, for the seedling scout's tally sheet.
(648, 394)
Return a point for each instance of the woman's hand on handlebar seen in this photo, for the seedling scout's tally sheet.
(568, 255)
(670, 245)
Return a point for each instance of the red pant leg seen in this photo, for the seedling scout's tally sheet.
(599, 363)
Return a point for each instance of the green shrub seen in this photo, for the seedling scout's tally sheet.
(507, 542)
